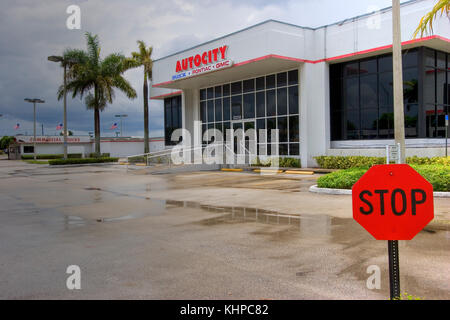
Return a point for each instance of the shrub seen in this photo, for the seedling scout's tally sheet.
(437, 175)
(82, 161)
(341, 162)
(282, 162)
(346, 162)
(52, 156)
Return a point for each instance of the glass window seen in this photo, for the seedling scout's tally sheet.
(336, 71)
(441, 86)
(293, 77)
(430, 59)
(236, 107)
(337, 125)
(368, 91)
(261, 125)
(260, 104)
(249, 105)
(368, 66)
(283, 129)
(386, 122)
(210, 110)
(210, 93)
(335, 94)
(283, 149)
(429, 87)
(410, 58)
(282, 79)
(294, 149)
(249, 85)
(411, 118)
(353, 124)
(282, 101)
(351, 93)
(270, 81)
(385, 89)
(369, 123)
(28, 149)
(203, 94)
(385, 63)
(294, 135)
(218, 92)
(351, 69)
(203, 111)
(226, 90)
(218, 109)
(271, 124)
(411, 85)
(271, 103)
(226, 109)
(236, 87)
(293, 100)
(260, 83)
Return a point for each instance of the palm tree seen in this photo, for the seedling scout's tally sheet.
(138, 59)
(426, 23)
(96, 78)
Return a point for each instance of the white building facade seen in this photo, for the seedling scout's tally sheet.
(327, 90)
(84, 145)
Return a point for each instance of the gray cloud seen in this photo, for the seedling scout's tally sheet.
(32, 30)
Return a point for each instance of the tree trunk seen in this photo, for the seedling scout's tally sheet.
(146, 142)
(97, 131)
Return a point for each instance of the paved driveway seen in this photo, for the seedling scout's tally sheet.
(209, 235)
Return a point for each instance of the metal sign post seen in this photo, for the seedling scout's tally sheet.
(446, 134)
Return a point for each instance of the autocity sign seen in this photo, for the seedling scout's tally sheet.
(201, 63)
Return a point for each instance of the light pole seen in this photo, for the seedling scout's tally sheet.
(121, 116)
(34, 101)
(64, 64)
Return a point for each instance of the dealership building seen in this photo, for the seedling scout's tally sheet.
(328, 90)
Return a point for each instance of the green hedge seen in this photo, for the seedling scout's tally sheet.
(282, 163)
(82, 161)
(437, 175)
(52, 156)
(341, 162)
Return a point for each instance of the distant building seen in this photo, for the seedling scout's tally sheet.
(84, 145)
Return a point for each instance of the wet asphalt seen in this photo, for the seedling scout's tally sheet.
(208, 235)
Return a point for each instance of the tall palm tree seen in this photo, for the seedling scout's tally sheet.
(426, 23)
(96, 78)
(142, 58)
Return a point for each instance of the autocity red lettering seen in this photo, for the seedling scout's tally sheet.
(202, 59)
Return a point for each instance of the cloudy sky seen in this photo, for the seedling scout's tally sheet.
(32, 30)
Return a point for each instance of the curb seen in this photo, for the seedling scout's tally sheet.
(316, 189)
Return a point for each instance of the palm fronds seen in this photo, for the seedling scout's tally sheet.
(426, 23)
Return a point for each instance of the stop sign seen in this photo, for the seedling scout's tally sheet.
(392, 202)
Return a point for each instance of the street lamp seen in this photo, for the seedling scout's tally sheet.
(34, 101)
(121, 116)
(64, 63)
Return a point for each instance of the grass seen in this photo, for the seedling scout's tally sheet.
(36, 161)
(438, 175)
(56, 162)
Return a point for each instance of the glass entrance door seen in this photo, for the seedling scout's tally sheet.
(246, 141)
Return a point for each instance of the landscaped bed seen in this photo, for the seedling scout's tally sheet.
(438, 175)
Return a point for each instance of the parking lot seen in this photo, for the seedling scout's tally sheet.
(197, 235)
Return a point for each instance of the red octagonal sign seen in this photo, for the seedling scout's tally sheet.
(392, 202)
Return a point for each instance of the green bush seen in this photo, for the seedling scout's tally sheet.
(437, 175)
(82, 161)
(346, 162)
(52, 156)
(282, 163)
(341, 162)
